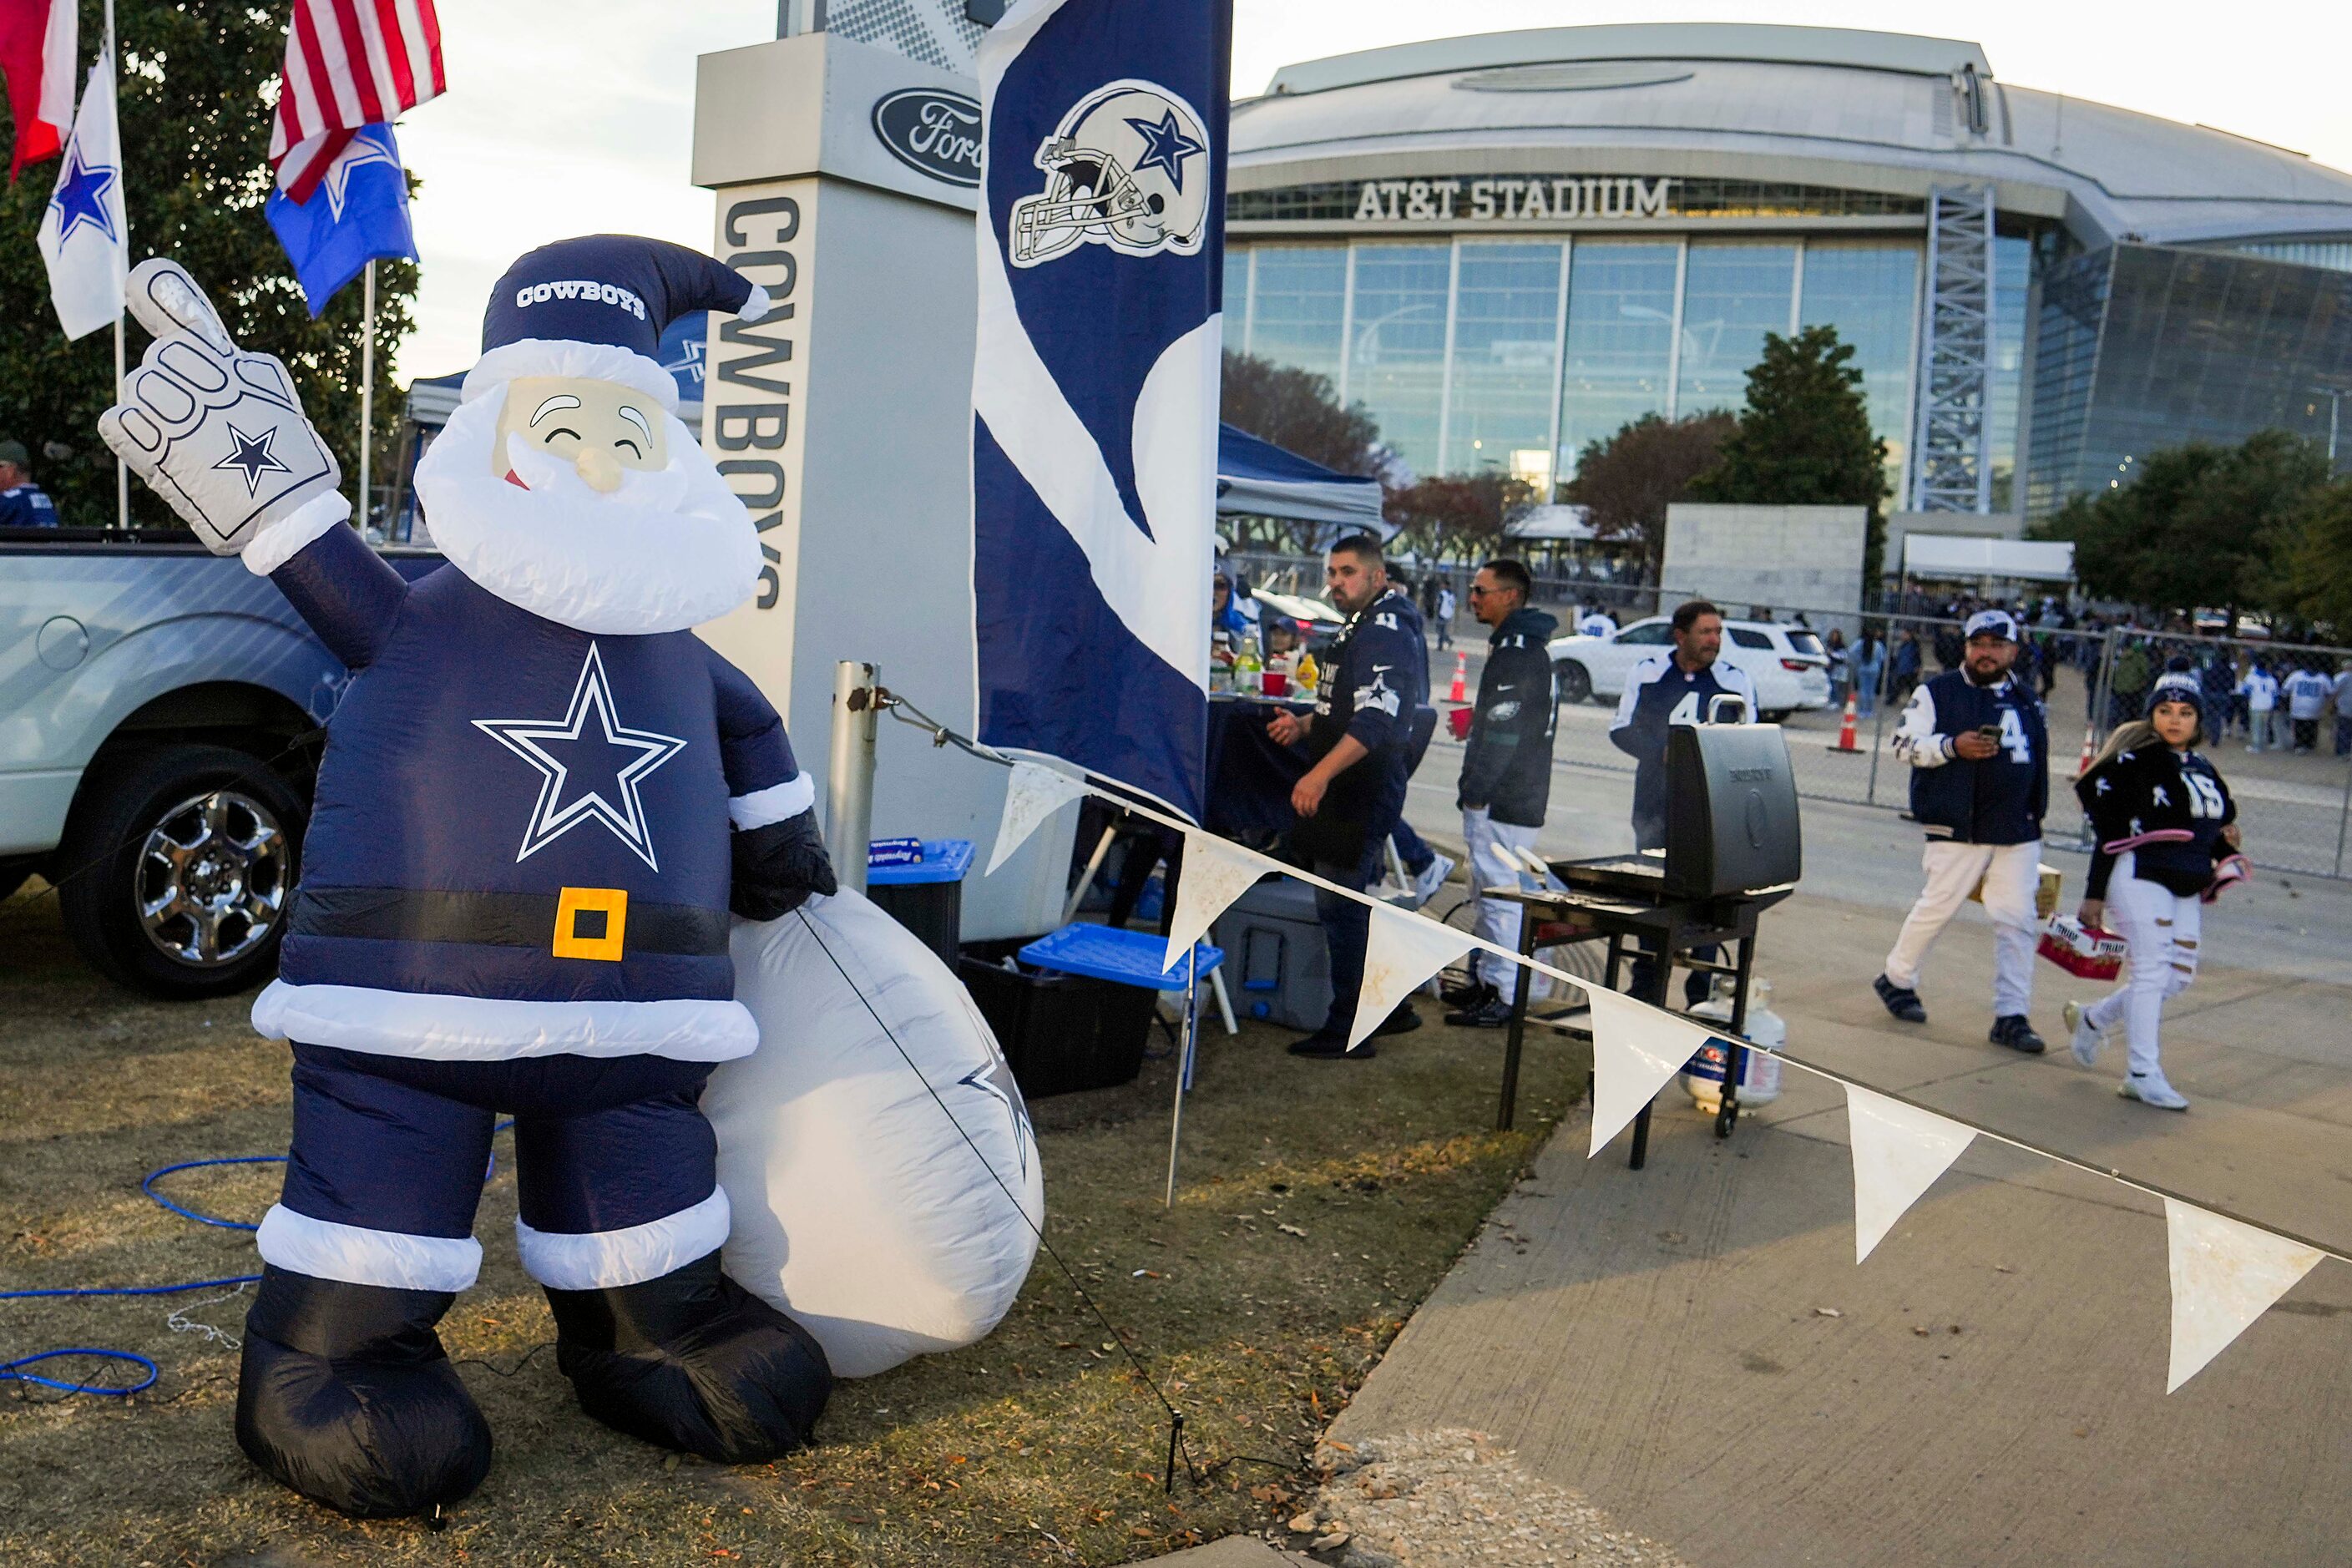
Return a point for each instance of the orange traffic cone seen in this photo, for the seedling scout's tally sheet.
(1461, 676)
(2090, 748)
(1845, 742)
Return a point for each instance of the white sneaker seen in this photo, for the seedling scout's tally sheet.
(2150, 1088)
(2088, 1036)
(1432, 877)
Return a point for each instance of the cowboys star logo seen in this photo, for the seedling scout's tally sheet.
(612, 757)
(251, 456)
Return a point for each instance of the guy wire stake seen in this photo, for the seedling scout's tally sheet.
(1175, 1430)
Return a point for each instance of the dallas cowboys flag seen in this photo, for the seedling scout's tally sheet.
(360, 210)
(1094, 383)
(84, 233)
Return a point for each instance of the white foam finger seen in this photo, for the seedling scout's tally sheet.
(130, 435)
(192, 363)
(166, 302)
(167, 401)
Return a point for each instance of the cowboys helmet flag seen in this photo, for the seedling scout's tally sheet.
(1128, 167)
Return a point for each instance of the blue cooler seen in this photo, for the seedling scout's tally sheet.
(926, 896)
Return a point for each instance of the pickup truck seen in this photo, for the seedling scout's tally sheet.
(160, 714)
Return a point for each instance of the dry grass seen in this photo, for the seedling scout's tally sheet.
(1321, 1202)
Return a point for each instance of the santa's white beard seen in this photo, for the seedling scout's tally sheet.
(670, 549)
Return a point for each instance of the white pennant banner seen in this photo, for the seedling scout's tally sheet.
(2225, 1274)
(1403, 951)
(1635, 1049)
(1899, 1152)
(1215, 872)
(1035, 794)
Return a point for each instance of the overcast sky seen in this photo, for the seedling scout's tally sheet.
(569, 117)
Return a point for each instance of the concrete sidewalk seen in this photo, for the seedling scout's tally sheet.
(1693, 1348)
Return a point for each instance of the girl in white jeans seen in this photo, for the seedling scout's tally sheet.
(2167, 834)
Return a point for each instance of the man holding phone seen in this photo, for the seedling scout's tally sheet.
(1978, 751)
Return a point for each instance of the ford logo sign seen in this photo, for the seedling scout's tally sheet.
(932, 133)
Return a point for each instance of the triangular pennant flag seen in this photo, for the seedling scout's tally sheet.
(1401, 951)
(1899, 1152)
(2225, 1274)
(1635, 1049)
(1035, 794)
(1214, 874)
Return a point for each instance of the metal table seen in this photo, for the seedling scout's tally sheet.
(1621, 899)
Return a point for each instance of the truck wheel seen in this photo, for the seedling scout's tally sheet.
(178, 868)
(1572, 682)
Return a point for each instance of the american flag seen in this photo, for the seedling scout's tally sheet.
(349, 63)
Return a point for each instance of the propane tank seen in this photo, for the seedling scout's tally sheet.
(1759, 1080)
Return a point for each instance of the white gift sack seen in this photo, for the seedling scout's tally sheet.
(858, 1208)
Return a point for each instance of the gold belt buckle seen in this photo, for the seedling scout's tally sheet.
(613, 903)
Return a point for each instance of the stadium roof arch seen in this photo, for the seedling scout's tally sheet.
(1885, 112)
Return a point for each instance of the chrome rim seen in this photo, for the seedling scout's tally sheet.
(213, 880)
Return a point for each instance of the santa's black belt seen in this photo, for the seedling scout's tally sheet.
(595, 923)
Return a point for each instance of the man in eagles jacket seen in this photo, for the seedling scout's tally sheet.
(1506, 772)
(1979, 756)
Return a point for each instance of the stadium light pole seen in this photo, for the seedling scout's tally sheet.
(2335, 395)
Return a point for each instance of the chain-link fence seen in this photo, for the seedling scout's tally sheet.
(2278, 715)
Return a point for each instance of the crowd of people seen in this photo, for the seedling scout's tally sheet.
(1972, 732)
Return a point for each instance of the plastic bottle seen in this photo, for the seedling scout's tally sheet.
(1308, 671)
(1759, 1080)
(1248, 671)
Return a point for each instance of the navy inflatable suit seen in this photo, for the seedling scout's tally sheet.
(536, 811)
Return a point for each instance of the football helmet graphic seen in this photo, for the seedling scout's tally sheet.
(1129, 167)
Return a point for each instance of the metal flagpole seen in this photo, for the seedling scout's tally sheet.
(1184, 1060)
(121, 265)
(367, 392)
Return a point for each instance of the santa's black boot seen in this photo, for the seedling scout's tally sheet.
(346, 1395)
(693, 1360)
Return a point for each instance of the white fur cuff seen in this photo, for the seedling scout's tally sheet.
(280, 541)
(561, 356)
(607, 1259)
(777, 803)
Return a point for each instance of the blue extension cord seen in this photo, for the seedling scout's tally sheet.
(13, 1371)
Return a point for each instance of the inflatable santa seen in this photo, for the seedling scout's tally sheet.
(540, 797)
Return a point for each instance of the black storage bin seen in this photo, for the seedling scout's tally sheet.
(1062, 1032)
(926, 897)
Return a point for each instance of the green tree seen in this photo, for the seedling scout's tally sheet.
(1804, 438)
(197, 85)
(2316, 564)
(1626, 482)
(2197, 526)
(1462, 515)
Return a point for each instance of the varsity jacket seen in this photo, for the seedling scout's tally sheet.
(524, 837)
(1660, 694)
(1506, 767)
(2001, 800)
(2165, 808)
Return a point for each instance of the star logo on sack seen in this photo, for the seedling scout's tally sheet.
(995, 1080)
(610, 760)
(251, 456)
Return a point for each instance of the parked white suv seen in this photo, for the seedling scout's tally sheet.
(1789, 665)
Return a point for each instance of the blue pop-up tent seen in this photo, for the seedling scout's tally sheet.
(1260, 479)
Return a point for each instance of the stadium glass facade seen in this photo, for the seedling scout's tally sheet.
(2146, 346)
(1512, 354)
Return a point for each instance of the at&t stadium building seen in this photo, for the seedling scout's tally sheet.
(1509, 246)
